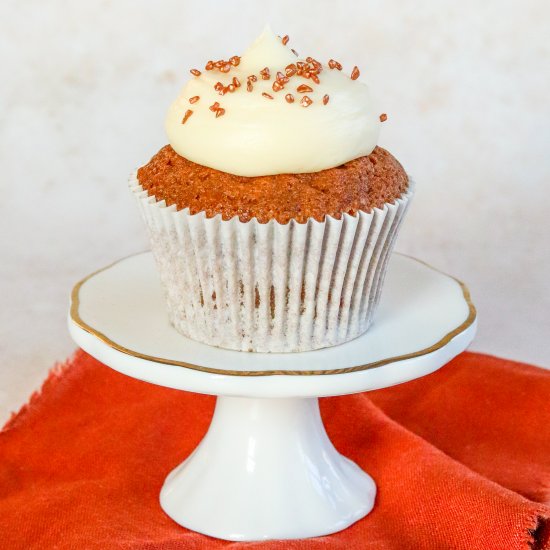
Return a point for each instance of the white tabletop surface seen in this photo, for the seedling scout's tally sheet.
(89, 83)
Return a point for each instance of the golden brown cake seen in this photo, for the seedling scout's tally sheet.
(361, 184)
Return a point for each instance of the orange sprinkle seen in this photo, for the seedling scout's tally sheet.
(249, 86)
(290, 70)
(236, 82)
(304, 88)
(306, 101)
(355, 73)
(315, 78)
(218, 86)
(231, 88)
(194, 99)
(280, 75)
(277, 86)
(383, 117)
(252, 78)
(235, 60)
(289, 98)
(186, 116)
(225, 68)
(214, 107)
(285, 39)
(265, 73)
(195, 72)
(316, 65)
(333, 64)
(220, 112)
(267, 95)
(325, 99)
(209, 66)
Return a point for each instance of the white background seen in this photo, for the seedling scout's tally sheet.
(83, 91)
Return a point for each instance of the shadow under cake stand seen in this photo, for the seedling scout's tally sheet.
(266, 468)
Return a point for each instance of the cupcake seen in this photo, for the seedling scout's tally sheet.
(272, 212)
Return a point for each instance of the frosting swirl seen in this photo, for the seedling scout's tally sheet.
(261, 133)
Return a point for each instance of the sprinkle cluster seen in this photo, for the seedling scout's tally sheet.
(309, 69)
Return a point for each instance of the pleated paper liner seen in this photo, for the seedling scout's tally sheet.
(271, 287)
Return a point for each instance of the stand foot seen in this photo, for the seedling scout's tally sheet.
(266, 469)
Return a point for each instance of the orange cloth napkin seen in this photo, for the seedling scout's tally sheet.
(461, 459)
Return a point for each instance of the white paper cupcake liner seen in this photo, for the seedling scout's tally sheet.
(271, 287)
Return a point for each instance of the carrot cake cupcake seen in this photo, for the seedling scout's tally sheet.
(272, 212)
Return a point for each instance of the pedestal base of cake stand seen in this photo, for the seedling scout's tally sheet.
(266, 468)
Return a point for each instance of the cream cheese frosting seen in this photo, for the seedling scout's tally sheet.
(259, 132)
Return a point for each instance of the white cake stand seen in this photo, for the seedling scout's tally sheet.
(266, 469)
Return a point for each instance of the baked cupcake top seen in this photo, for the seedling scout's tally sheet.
(271, 112)
(360, 184)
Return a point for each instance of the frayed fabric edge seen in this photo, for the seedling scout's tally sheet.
(538, 530)
(54, 374)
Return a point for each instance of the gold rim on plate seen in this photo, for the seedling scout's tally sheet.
(75, 316)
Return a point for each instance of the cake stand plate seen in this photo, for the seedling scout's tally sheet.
(266, 468)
